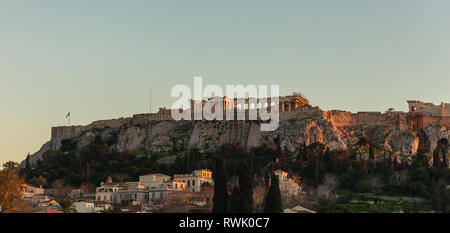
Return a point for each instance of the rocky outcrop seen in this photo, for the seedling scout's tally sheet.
(338, 130)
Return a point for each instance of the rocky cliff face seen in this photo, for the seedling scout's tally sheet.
(299, 127)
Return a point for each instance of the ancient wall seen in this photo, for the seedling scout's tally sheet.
(75, 130)
(302, 112)
(66, 130)
(136, 120)
(114, 123)
(429, 109)
(445, 121)
(341, 118)
(446, 109)
(143, 119)
(436, 120)
(396, 120)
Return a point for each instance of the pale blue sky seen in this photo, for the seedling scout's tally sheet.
(99, 58)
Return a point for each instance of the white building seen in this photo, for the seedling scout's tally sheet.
(84, 207)
(115, 192)
(195, 180)
(152, 187)
(29, 190)
(153, 180)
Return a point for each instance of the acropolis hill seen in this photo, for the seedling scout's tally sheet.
(300, 124)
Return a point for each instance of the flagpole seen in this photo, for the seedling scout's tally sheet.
(150, 100)
(68, 116)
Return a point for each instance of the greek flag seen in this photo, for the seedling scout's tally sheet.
(68, 114)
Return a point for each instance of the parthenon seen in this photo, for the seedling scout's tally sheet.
(286, 103)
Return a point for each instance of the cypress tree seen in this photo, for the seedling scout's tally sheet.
(27, 162)
(371, 151)
(245, 189)
(273, 197)
(220, 199)
(235, 204)
(436, 158)
(87, 172)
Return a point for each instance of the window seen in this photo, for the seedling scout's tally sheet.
(193, 182)
(176, 186)
(189, 183)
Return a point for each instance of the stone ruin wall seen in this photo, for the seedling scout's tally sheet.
(442, 109)
(394, 120)
(72, 131)
(436, 120)
(135, 120)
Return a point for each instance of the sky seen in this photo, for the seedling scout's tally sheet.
(100, 58)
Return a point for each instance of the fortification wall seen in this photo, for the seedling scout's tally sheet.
(302, 112)
(442, 109)
(436, 120)
(396, 120)
(446, 121)
(70, 131)
(136, 120)
(341, 118)
(446, 110)
(114, 123)
(75, 130)
(143, 119)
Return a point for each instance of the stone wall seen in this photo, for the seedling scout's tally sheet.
(136, 120)
(389, 120)
(436, 120)
(429, 109)
(143, 119)
(72, 131)
(395, 120)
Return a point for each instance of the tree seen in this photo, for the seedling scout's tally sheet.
(87, 172)
(245, 189)
(273, 198)
(121, 177)
(235, 203)
(27, 168)
(436, 158)
(87, 188)
(371, 150)
(40, 181)
(220, 199)
(11, 188)
(62, 191)
(440, 196)
(67, 205)
(114, 209)
(362, 142)
(12, 165)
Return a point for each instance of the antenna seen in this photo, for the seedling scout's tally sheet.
(150, 100)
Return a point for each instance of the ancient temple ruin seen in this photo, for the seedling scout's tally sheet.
(286, 103)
